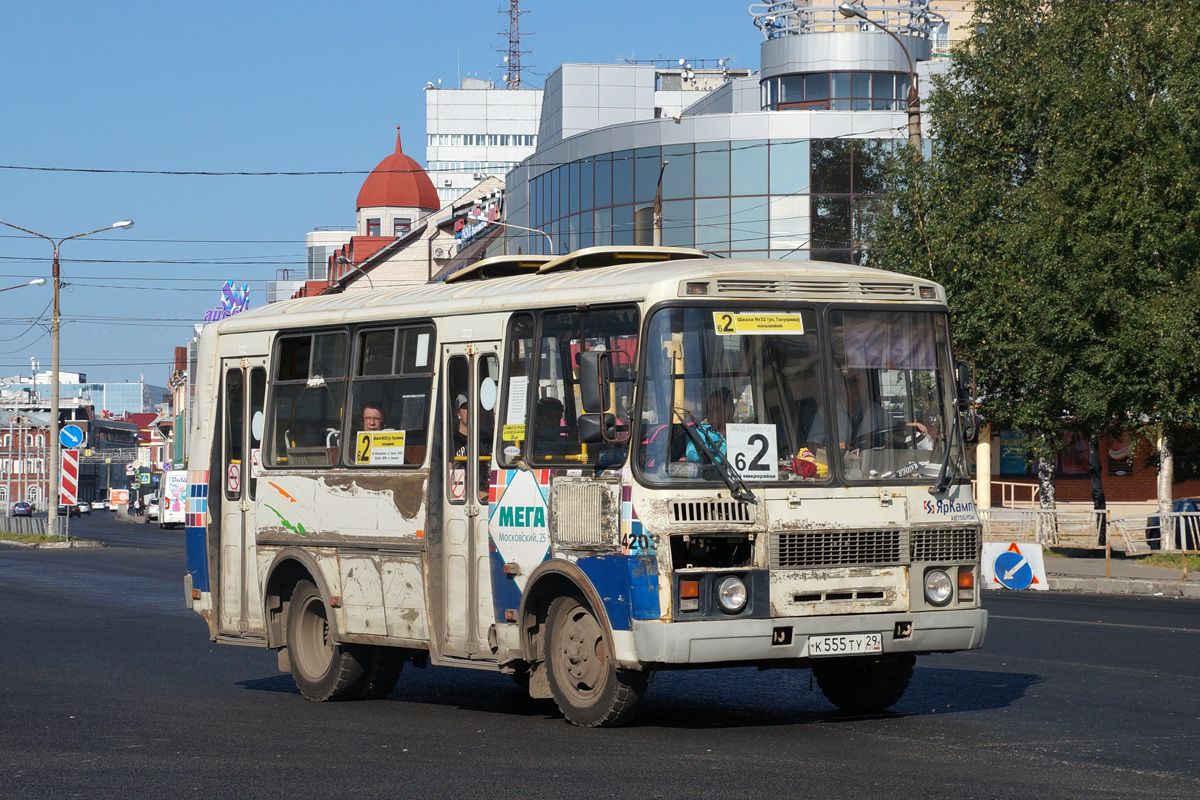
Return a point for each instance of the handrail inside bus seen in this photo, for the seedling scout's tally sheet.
(594, 257)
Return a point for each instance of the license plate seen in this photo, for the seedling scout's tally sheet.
(845, 645)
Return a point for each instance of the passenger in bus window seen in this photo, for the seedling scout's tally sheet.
(718, 412)
(549, 436)
(373, 418)
(463, 431)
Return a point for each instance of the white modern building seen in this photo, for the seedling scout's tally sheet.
(476, 132)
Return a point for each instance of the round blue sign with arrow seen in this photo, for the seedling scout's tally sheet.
(71, 436)
(1013, 571)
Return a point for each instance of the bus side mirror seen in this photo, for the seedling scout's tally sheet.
(964, 380)
(970, 423)
(964, 383)
(595, 375)
(596, 428)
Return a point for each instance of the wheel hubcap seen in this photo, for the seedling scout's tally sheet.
(581, 652)
(313, 650)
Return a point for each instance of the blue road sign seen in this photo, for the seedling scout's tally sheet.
(1013, 571)
(71, 436)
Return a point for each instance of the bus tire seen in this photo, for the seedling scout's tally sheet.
(864, 684)
(381, 673)
(323, 669)
(587, 687)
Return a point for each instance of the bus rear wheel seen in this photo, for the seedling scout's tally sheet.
(322, 668)
(864, 684)
(587, 686)
(381, 672)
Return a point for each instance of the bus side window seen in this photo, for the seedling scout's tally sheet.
(513, 410)
(234, 418)
(307, 399)
(458, 427)
(258, 394)
(564, 336)
(393, 379)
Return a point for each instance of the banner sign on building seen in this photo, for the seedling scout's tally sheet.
(477, 219)
(233, 300)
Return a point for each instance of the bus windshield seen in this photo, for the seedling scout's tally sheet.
(750, 388)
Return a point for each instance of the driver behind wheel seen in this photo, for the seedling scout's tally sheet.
(861, 421)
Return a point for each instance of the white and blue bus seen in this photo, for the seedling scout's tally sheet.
(581, 470)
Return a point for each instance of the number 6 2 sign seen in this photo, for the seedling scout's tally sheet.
(752, 451)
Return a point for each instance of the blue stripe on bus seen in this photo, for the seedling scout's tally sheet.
(627, 585)
(197, 557)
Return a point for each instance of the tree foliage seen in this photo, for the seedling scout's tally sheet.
(1061, 210)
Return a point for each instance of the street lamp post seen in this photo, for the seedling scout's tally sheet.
(349, 263)
(34, 282)
(52, 488)
(658, 215)
(849, 10)
(518, 227)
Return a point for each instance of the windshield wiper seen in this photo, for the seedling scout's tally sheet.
(944, 474)
(737, 487)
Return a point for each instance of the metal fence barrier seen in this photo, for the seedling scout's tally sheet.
(1142, 534)
(24, 526)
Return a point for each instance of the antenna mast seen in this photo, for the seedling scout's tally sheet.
(513, 59)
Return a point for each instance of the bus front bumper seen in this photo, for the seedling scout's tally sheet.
(758, 640)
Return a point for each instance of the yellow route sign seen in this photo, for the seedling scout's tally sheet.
(729, 323)
(379, 447)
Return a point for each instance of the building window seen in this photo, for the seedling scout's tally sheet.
(836, 91)
(401, 226)
(373, 227)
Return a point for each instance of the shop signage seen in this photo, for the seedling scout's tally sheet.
(233, 300)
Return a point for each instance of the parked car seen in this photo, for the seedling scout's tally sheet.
(99, 505)
(85, 508)
(152, 512)
(68, 511)
(22, 509)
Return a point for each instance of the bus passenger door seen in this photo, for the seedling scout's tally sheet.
(243, 392)
(468, 418)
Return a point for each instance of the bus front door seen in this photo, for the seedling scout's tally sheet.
(468, 407)
(243, 392)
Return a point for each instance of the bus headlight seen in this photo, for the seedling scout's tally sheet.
(731, 594)
(938, 587)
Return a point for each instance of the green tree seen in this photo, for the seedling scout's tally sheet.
(1060, 209)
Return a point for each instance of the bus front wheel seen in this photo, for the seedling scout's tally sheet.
(322, 668)
(587, 686)
(864, 684)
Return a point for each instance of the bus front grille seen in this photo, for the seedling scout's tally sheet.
(719, 511)
(946, 544)
(834, 548)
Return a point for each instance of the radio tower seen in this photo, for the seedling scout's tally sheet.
(512, 61)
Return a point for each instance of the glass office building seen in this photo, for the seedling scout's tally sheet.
(785, 163)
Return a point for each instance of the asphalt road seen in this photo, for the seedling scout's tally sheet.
(111, 689)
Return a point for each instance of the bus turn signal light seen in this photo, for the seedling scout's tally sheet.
(966, 584)
(689, 595)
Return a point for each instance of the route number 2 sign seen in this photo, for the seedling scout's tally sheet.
(752, 451)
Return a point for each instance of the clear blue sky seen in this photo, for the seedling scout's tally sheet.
(241, 87)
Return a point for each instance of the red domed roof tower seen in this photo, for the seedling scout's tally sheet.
(398, 182)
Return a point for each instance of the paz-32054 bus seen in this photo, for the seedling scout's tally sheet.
(581, 470)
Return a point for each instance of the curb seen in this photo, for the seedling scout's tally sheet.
(86, 543)
(1071, 583)
(1060, 583)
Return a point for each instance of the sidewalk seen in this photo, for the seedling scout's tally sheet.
(1128, 577)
